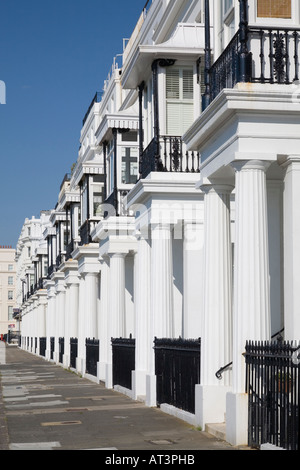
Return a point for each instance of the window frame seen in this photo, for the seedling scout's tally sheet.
(181, 101)
(275, 22)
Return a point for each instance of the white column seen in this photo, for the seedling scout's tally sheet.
(161, 303)
(216, 337)
(71, 316)
(91, 294)
(192, 278)
(81, 355)
(60, 325)
(142, 316)
(116, 318)
(103, 317)
(291, 210)
(50, 315)
(251, 312)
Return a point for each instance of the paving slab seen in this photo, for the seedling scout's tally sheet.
(46, 407)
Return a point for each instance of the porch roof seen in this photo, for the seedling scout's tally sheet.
(187, 42)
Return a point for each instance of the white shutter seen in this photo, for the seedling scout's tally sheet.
(172, 84)
(187, 84)
(179, 105)
(173, 119)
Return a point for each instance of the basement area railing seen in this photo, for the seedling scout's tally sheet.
(273, 387)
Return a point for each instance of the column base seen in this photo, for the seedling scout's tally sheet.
(210, 404)
(109, 376)
(102, 371)
(80, 365)
(151, 390)
(66, 361)
(237, 418)
(139, 384)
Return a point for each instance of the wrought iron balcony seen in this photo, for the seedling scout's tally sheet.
(167, 154)
(272, 57)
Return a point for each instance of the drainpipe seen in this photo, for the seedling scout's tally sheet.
(115, 132)
(155, 108)
(105, 170)
(245, 57)
(141, 131)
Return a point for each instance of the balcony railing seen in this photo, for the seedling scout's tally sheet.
(273, 57)
(168, 155)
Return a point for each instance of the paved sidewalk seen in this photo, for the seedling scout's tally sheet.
(45, 407)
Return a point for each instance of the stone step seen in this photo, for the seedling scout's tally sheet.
(216, 429)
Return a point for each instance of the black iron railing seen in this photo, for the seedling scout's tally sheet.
(43, 346)
(273, 58)
(167, 154)
(273, 387)
(92, 355)
(73, 352)
(61, 343)
(52, 346)
(123, 350)
(69, 250)
(275, 54)
(177, 369)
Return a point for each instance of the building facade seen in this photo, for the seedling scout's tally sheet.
(7, 290)
(178, 225)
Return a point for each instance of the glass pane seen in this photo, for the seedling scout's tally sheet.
(274, 9)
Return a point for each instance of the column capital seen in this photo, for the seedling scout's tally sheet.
(287, 160)
(261, 165)
(217, 187)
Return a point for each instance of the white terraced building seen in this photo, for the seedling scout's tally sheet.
(178, 230)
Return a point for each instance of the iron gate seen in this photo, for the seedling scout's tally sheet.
(61, 342)
(73, 352)
(273, 387)
(43, 346)
(123, 352)
(92, 355)
(177, 369)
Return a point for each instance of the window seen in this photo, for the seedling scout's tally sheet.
(110, 160)
(129, 165)
(10, 295)
(274, 9)
(227, 4)
(10, 267)
(10, 312)
(10, 280)
(179, 94)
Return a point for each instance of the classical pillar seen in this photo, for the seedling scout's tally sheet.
(91, 295)
(216, 337)
(251, 311)
(60, 313)
(291, 228)
(142, 316)
(116, 319)
(50, 316)
(71, 318)
(103, 316)
(161, 303)
(192, 278)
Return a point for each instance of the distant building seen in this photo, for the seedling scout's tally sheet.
(7, 289)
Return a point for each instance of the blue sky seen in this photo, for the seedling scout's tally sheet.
(54, 56)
